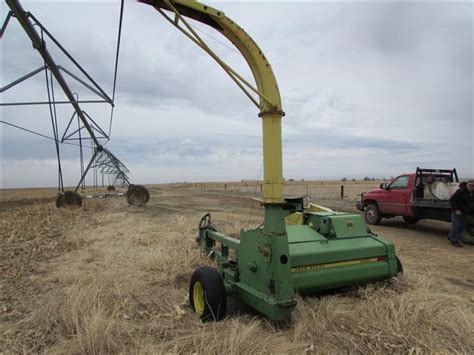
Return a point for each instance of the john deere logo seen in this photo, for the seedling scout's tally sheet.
(349, 223)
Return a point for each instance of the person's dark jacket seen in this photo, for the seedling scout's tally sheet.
(461, 200)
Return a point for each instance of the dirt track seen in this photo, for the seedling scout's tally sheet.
(111, 278)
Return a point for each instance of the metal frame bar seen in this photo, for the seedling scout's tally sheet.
(23, 78)
(236, 77)
(36, 133)
(87, 169)
(68, 125)
(39, 44)
(57, 103)
(98, 93)
(67, 54)
(95, 125)
(54, 123)
(5, 23)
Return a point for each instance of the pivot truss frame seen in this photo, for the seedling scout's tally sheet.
(108, 165)
(102, 160)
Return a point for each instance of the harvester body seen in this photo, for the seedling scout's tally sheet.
(327, 250)
(333, 250)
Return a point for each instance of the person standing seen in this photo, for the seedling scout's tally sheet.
(459, 202)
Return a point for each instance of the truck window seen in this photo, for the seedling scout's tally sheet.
(400, 182)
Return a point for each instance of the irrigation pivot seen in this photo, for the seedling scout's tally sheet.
(102, 160)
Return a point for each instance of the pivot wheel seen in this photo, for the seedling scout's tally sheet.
(207, 295)
(372, 214)
(68, 199)
(137, 195)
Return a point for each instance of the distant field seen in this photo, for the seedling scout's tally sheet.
(108, 278)
(321, 190)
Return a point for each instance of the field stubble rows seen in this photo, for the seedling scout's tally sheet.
(109, 278)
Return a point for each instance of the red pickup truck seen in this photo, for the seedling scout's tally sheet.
(421, 195)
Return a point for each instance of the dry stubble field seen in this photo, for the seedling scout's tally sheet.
(108, 278)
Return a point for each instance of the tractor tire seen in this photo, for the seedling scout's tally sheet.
(467, 237)
(410, 220)
(68, 199)
(207, 295)
(137, 195)
(111, 188)
(372, 214)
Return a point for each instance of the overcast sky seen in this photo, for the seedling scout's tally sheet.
(369, 89)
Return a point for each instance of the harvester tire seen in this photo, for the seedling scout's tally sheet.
(467, 237)
(410, 220)
(68, 199)
(399, 265)
(137, 195)
(207, 294)
(372, 214)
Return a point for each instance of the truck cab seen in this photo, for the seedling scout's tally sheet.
(390, 199)
(414, 196)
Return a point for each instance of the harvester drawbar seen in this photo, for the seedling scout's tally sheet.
(326, 250)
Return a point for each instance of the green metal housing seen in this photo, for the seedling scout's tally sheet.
(329, 250)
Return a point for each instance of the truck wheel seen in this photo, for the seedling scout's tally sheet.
(207, 294)
(467, 237)
(410, 220)
(372, 214)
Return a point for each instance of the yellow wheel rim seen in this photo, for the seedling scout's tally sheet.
(198, 297)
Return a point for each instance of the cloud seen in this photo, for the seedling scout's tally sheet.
(380, 87)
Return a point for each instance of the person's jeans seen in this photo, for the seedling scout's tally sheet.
(457, 226)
